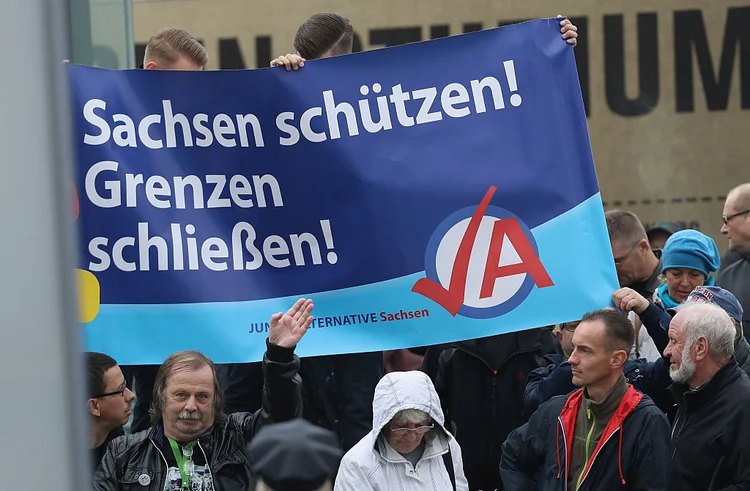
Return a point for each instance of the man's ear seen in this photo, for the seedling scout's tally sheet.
(151, 65)
(93, 407)
(700, 349)
(644, 245)
(619, 358)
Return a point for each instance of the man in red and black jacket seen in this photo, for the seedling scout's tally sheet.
(605, 435)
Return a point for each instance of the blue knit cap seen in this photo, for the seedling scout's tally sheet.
(692, 250)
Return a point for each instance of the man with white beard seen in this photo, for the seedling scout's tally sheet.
(711, 435)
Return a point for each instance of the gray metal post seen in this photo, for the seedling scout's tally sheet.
(43, 437)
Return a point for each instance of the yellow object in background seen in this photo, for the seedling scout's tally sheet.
(88, 296)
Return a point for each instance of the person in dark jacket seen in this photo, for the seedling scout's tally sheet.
(480, 384)
(605, 435)
(650, 378)
(109, 403)
(556, 379)
(657, 320)
(638, 267)
(711, 435)
(735, 277)
(191, 443)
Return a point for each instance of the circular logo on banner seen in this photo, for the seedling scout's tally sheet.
(487, 291)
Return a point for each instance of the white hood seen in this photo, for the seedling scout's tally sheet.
(366, 466)
(404, 390)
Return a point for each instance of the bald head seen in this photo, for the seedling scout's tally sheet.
(741, 195)
(736, 213)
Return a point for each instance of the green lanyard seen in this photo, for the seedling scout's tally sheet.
(183, 461)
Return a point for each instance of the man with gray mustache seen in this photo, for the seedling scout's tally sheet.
(192, 445)
(710, 443)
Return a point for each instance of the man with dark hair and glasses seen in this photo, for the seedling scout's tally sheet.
(638, 267)
(735, 276)
(109, 402)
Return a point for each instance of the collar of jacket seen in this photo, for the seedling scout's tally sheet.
(206, 444)
(555, 359)
(634, 369)
(649, 286)
(611, 400)
(567, 423)
(693, 399)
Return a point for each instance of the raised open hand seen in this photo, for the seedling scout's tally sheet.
(287, 329)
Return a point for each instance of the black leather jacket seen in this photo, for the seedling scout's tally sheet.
(135, 463)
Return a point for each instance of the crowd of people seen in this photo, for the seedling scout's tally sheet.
(650, 393)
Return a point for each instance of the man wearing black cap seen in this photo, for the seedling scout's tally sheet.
(659, 232)
(294, 456)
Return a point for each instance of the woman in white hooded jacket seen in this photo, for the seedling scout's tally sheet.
(408, 448)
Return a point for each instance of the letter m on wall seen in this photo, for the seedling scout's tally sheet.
(690, 36)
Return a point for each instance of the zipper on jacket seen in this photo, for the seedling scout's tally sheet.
(588, 446)
(510, 358)
(677, 429)
(593, 459)
(493, 403)
(166, 472)
(565, 452)
(676, 424)
(677, 432)
(208, 467)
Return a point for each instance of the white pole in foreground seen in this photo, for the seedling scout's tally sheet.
(43, 433)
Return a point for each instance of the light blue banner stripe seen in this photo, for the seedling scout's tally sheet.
(571, 246)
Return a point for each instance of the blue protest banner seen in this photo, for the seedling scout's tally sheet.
(421, 194)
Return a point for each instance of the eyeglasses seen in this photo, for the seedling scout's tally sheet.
(621, 259)
(570, 326)
(120, 392)
(727, 218)
(420, 430)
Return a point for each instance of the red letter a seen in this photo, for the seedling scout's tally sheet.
(529, 260)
